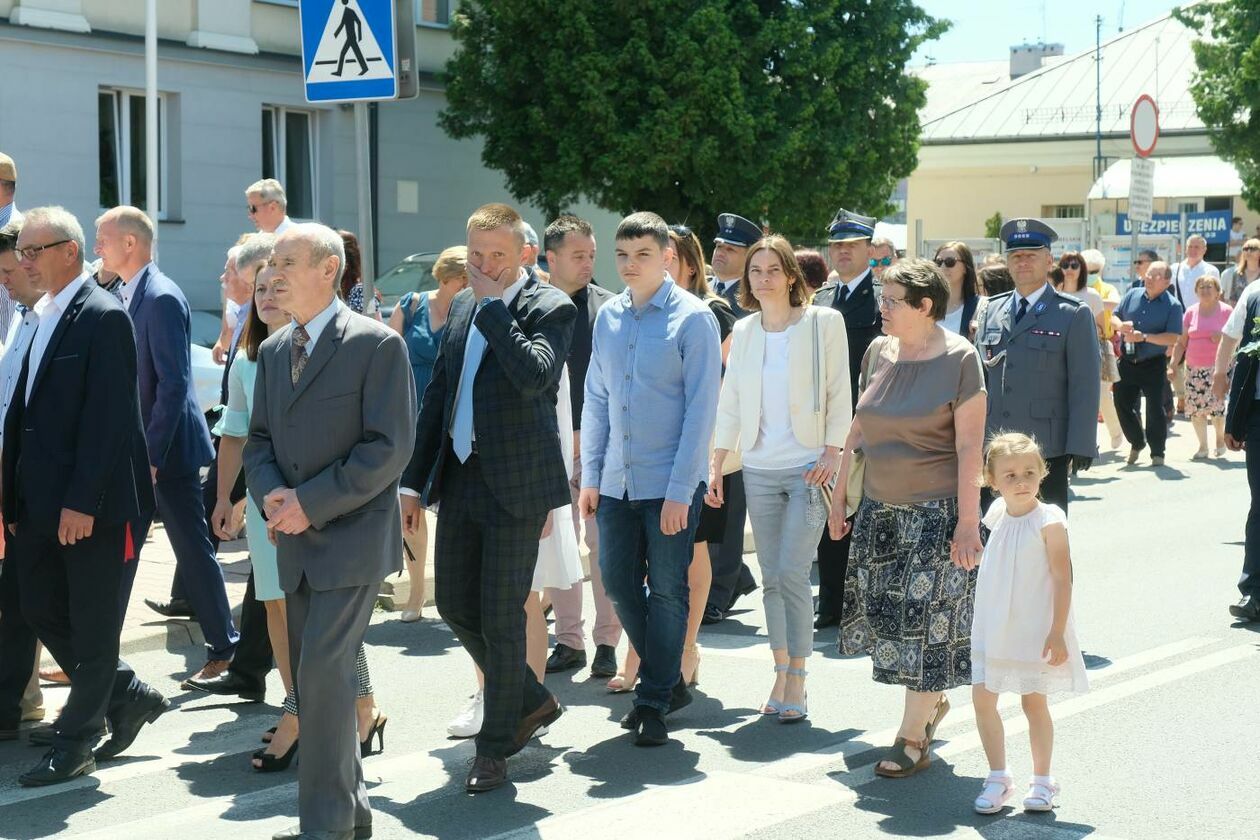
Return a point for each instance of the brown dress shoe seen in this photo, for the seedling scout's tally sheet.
(486, 774)
(545, 715)
(212, 669)
(54, 675)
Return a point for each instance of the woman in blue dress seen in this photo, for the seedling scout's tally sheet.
(265, 318)
(420, 318)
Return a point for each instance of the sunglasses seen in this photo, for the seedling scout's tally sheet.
(253, 208)
(1251, 248)
(946, 262)
(884, 261)
(1074, 265)
(681, 230)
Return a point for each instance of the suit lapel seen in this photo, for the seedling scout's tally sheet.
(324, 349)
(72, 312)
(138, 298)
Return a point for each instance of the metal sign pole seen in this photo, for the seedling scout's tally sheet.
(362, 147)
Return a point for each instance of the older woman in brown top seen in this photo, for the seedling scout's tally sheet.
(916, 536)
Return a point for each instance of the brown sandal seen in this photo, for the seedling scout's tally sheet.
(938, 715)
(905, 764)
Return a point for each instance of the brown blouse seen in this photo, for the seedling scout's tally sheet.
(906, 411)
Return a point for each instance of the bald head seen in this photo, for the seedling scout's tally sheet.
(124, 240)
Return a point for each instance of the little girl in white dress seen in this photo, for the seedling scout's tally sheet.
(1022, 634)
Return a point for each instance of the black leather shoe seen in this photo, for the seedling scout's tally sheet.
(713, 614)
(57, 766)
(825, 620)
(486, 774)
(545, 715)
(228, 683)
(294, 832)
(565, 658)
(1248, 609)
(651, 731)
(746, 589)
(605, 662)
(42, 736)
(174, 608)
(680, 698)
(126, 723)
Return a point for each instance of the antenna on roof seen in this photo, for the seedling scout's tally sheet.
(1120, 18)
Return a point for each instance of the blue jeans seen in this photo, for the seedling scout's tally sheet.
(632, 549)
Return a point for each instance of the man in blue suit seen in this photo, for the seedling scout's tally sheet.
(175, 429)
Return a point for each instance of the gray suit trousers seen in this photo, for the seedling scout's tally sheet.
(326, 629)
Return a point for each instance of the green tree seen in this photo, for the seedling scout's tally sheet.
(781, 110)
(1226, 88)
(993, 226)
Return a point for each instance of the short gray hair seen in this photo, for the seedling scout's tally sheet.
(268, 189)
(60, 221)
(1197, 238)
(324, 242)
(256, 248)
(884, 242)
(130, 220)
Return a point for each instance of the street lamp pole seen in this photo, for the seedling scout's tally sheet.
(151, 115)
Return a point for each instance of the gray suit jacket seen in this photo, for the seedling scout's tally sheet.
(1042, 374)
(341, 438)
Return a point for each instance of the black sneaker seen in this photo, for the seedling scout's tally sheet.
(651, 731)
(680, 698)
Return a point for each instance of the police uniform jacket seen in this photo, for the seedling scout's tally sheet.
(862, 322)
(1042, 374)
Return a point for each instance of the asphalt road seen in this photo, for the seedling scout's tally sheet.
(1162, 746)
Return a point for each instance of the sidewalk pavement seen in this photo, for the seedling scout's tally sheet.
(146, 630)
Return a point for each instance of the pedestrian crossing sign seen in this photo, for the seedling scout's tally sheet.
(349, 50)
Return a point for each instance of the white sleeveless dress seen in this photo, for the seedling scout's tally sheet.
(559, 560)
(1014, 609)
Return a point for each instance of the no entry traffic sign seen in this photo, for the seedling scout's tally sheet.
(1144, 125)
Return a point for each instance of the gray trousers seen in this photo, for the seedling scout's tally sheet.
(326, 631)
(777, 504)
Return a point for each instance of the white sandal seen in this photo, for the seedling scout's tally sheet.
(996, 791)
(1041, 796)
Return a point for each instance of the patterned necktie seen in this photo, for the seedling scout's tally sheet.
(1022, 311)
(297, 352)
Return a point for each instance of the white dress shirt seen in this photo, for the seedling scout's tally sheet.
(315, 326)
(15, 346)
(284, 225)
(49, 311)
(128, 289)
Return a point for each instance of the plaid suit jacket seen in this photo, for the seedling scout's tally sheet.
(514, 400)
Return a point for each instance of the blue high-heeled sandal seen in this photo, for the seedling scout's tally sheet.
(801, 711)
(772, 706)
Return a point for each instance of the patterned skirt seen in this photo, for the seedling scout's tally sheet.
(905, 603)
(1199, 399)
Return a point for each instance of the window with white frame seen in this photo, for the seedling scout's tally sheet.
(288, 155)
(124, 173)
(434, 12)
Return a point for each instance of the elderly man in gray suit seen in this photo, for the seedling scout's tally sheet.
(332, 428)
(1040, 353)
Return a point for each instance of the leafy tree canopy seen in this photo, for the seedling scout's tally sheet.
(1226, 88)
(779, 110)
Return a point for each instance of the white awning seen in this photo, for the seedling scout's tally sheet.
(894, 233)
(1175, 177)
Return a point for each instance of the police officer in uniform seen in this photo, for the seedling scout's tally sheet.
(731, 576)
(1040, 354)
(852, 293)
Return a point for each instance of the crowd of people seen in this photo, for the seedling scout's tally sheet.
(911, 425)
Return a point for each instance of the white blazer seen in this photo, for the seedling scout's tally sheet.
(821, 408)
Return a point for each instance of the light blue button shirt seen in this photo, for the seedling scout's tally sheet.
(651, 396)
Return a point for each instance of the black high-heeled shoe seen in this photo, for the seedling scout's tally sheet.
(377, 731)
(272, 763)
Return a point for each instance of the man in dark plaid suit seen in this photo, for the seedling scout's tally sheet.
(491, 455)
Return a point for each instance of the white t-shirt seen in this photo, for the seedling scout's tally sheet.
(777, 447)
(953, 321)
(1236, 240)
(1184, 278)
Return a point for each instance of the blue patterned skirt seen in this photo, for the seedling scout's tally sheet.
(905, 603)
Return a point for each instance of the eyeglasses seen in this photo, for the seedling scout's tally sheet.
(884, 261)
(946, 262)
(889, 302)
(253, 208)
(32, 253)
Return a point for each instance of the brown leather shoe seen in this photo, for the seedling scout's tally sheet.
(212, 669)
(486, 774)
(54, 675)
(545, 715)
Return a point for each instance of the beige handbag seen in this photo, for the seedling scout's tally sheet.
(857, 459)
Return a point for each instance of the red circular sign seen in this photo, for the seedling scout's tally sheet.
(1144, 125)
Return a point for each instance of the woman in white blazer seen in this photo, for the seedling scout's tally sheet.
(786, 407)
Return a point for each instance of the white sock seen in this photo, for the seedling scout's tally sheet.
(1048, 781)
(998, 773)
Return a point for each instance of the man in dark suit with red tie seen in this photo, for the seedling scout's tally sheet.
(77, 494)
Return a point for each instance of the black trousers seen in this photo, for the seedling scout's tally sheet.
(1249, 583)
(70, 597)
(833, 565)
(484, 559)
(1147, 379)
(730, 572)
(17, 646)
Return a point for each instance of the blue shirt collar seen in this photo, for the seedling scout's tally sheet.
(315, 326)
